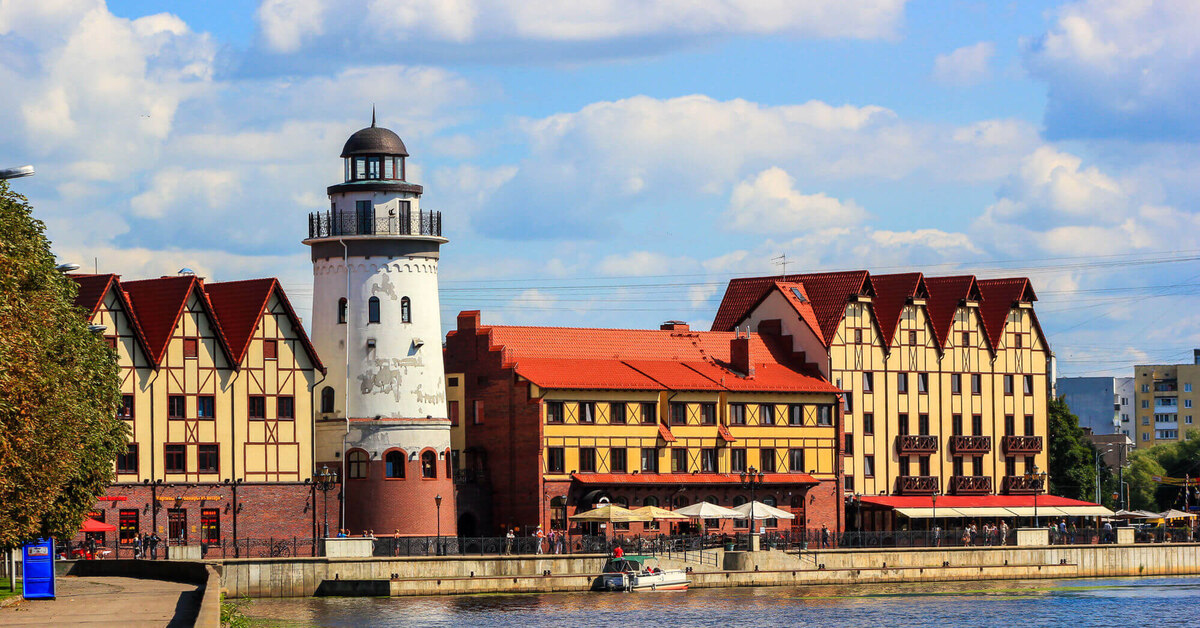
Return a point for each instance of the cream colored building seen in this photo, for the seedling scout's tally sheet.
(1165, 401)
(946, 379)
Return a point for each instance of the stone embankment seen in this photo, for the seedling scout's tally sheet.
(302, 577)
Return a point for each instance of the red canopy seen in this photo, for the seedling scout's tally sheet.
(91, 525)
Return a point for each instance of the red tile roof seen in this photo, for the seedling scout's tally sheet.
(645, 359)
(946, 294)
(240, 305)
(158, 304)
(970, 501)
(828, 293)
(892, 293)
(797, 297)
(999, 297)
(92, 289)
(690, 478)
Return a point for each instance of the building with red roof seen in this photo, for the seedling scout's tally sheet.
(945, 379)
(551, 421)
(217, 392)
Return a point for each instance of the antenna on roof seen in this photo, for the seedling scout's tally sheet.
(372, 114)
(781, 261)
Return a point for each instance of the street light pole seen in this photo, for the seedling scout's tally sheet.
(751, 480)
(325, 481)
(438, 500)
(15, 173)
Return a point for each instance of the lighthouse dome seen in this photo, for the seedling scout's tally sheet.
(374, 140)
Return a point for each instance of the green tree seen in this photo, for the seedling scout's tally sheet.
(1177, 459)
(1072, 457)
(59, 389)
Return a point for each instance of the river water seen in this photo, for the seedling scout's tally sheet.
(1152, 602)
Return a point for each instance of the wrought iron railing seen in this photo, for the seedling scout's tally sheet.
(1022, 444)
(1016, 484)
(329, 224)
(971, 484)
(916, 444)
(917, 484)
(970, 444)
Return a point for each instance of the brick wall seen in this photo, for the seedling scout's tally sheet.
(264, 510)
(386, 505)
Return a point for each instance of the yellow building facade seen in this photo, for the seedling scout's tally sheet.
(1165, 402)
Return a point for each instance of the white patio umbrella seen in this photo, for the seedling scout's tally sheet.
(1176, 514)
(705, 510)
(763, 511)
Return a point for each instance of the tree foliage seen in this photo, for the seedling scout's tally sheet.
(1177, 459)
(1072, 457)
(59, 389)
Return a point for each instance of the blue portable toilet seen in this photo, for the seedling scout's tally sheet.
(38, 570)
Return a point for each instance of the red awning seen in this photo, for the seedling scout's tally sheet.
(687, 478)
(665, 433)
(969, 501)
(91, 525)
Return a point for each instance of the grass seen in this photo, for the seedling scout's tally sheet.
(5, 593)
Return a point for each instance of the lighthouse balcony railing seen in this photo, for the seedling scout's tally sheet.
(330, 224)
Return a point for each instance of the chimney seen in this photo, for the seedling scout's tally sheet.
(468, 320)
(739, 353)
(674, 326)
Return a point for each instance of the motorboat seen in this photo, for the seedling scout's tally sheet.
(640, 574)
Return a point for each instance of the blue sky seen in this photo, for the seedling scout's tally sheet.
(615, 163)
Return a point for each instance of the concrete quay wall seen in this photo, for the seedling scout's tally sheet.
(460, 575)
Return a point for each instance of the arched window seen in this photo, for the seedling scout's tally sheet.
(327, 399)
(405, 310)
(356, 465)
(342, 311)
(558, 513)
(650, 500)
(373, 310)
(680, 501)
(623, 502)
(429, 465)
(393, 464)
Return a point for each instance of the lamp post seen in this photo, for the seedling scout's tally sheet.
(752, 479)
(438, 500)
(16, 173)
(1036, 481)
(325, 480)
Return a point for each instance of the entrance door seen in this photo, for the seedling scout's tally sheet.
(177, 526)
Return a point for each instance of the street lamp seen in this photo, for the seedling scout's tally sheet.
(16, 173)
(438, 500)
(752, 479)
(1036, 481)
(325, 480)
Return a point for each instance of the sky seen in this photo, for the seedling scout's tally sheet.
(614, 163)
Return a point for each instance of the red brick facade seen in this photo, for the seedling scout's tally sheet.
(384, 505)
(263, 511)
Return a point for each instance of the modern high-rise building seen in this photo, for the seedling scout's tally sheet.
(381, 420)
(1165, 395)
(1105, 405)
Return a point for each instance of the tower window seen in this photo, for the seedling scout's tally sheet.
(327, 399)
(394, 463)
(342, 311)
(429, 465)
(356, 462)
(373, 310)
(373, 167)
(389, 168)
(360, 167)
(405, 310)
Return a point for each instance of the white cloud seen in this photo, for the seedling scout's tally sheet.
(288, 25)
(642, 263)
(770, 204)
(179, 190)
(1120, 68)
(933, 239)
(965, 66)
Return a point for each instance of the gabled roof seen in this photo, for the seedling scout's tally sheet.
(158, 304)
(999, 297)
(645, 359)
(892, 293)
(797, 297)
(240, 306)
(946, 294)
(828, 293)
(92, 291)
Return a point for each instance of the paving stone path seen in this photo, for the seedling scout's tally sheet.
(109, 602)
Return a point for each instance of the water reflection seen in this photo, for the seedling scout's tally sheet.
(1162, 601)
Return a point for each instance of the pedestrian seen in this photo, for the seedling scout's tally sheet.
(91, 548)
(937, 536)
(562, 542)
(824, 536)
(1108, 531)
(553, 541)
(137, 546)
(539, 535)
(154, 545)
(508, 541)
(1004, 533)
(396, 543)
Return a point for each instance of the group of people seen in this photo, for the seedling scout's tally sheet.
(557, 541)
(366, 534)
(973, 535)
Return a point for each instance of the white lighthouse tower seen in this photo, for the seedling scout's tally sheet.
(381, 420)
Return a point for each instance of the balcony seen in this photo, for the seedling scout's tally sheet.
(971, 485)
(970, 444)
(1024, 484)
(334, 224)
(916, 484)
(1022, 444)
(916, 444)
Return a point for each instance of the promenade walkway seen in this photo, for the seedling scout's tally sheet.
(109, 601)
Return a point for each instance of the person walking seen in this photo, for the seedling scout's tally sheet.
(137, 546)
(539, 536)
(154, 545)
(1004, 533)
(553, 541)
(824, 536)
(508, 541)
